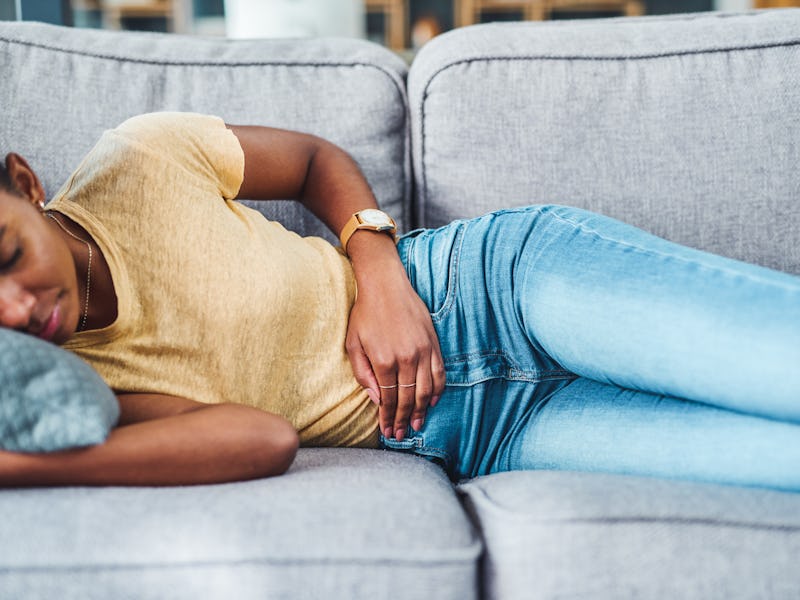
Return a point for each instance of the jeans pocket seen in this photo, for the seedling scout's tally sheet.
(431, 258)
(448, 255)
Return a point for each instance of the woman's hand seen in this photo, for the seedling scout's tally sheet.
(391, 341)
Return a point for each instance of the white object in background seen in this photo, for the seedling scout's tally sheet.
(733, 5)
(294, 18)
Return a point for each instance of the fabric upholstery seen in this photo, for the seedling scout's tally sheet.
(49, 398)
(586, 535)
(685, 126)
(339, 524)
(62, 87)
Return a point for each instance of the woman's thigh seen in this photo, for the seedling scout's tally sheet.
(613, 303)
(590, 426)
(525, 299)
(557, 289)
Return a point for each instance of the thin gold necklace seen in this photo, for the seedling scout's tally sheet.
(85, 316)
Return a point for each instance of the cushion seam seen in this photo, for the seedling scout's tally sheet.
(699, 521)
(189, 63)
(395, 78)
(483, 497)
(468, 556)
(423, 203)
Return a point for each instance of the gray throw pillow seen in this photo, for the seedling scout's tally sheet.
(49, 398)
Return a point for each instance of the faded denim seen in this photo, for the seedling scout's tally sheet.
(574, 341)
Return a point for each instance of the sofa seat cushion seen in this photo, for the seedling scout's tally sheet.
(587, 535)
(342, 523)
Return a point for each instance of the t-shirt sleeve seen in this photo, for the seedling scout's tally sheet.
(202, 144)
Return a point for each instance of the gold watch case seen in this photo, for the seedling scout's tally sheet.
(370, 219)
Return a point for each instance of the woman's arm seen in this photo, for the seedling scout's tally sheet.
(390, 338)
(164, 440)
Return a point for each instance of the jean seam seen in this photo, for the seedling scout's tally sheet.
(696, 263)
(424, 450)
(512, 373)
(416, 444)
(548, 376)
(452, 280)
(459, 358)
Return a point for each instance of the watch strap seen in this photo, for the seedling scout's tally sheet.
(355, 223)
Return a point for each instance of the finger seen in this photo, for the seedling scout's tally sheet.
(424, 392)
(387, 386)
(438, 374)
(406, 396)
(362, 369)
(405, 405)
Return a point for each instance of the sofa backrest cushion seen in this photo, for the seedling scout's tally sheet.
(62, 87)
(687, 126)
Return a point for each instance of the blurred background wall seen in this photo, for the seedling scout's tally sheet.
(403, 25)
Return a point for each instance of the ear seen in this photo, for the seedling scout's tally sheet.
(24, 180)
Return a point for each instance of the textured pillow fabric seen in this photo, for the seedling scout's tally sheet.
(50, 399)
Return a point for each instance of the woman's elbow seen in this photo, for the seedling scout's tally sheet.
(285, 443)
(277, 446)
(261, 444)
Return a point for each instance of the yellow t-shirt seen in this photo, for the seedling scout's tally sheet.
(215, 302)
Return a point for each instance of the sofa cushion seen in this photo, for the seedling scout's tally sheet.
(686, 126)
(342, 523)
(586, 535)
(62, 87)
(49, 398)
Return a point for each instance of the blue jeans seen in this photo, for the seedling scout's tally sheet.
(573, 341)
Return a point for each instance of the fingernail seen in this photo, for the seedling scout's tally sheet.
(417, 424)
(374, 397)
(434, 400)
(387, 433)
(400, 434)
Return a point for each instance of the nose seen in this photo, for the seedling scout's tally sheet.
(16, 305)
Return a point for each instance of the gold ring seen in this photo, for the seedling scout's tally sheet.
(407, 385)
(388, 387)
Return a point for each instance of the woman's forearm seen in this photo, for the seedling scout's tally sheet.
(282, 164)
(335, 187)
(214, 444)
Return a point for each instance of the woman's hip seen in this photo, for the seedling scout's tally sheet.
(467, 273)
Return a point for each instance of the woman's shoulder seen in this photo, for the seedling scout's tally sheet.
(159, 124)
(198, 143)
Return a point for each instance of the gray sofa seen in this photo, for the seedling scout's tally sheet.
(688, 126)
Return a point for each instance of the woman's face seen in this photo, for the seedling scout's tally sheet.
(38, 284)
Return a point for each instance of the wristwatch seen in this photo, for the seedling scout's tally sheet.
(370, 219)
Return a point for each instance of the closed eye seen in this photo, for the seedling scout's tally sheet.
(11, 262)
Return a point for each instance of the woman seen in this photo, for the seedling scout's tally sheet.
(545, 337)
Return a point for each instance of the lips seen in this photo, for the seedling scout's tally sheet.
(51, 326)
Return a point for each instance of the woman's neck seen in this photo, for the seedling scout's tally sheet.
(95, 277)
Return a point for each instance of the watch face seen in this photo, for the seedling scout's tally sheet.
(372, 216)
